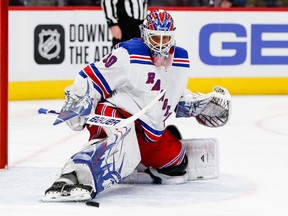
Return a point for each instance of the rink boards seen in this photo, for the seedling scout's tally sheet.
(244, 51)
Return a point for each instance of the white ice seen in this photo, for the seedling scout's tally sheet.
(253, 165)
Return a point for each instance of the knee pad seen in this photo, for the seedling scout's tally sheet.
(178, 170)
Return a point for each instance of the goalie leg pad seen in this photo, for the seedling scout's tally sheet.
(111, 160)
(203, 158)
(99, 166)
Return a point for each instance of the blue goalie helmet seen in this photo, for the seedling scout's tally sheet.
(157, 32)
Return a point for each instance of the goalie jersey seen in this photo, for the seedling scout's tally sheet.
(128, 79)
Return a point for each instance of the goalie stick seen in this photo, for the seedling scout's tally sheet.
(110, 122)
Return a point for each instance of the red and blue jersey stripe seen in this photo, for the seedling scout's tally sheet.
(181, 58)
(177, 160)
(99, 82)
(151, 135)
(181, 62)
(140, 59)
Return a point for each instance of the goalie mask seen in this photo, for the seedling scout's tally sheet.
(157, 32)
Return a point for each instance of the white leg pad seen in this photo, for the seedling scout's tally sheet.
(203, 158)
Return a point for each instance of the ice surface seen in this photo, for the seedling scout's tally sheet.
(253, 165)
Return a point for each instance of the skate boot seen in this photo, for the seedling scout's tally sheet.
(67, 188)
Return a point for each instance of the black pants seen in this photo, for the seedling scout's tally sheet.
(129, 27)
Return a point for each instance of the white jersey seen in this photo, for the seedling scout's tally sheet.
(128, 79)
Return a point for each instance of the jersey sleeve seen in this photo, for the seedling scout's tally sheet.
(108, 74)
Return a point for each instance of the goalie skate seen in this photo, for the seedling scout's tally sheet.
(63, 192)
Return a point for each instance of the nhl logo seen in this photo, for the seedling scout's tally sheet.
(49, 44)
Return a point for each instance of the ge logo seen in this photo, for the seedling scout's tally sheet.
(49, 46)
(263, 50)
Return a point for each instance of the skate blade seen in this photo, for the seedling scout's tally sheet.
(65, 199)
